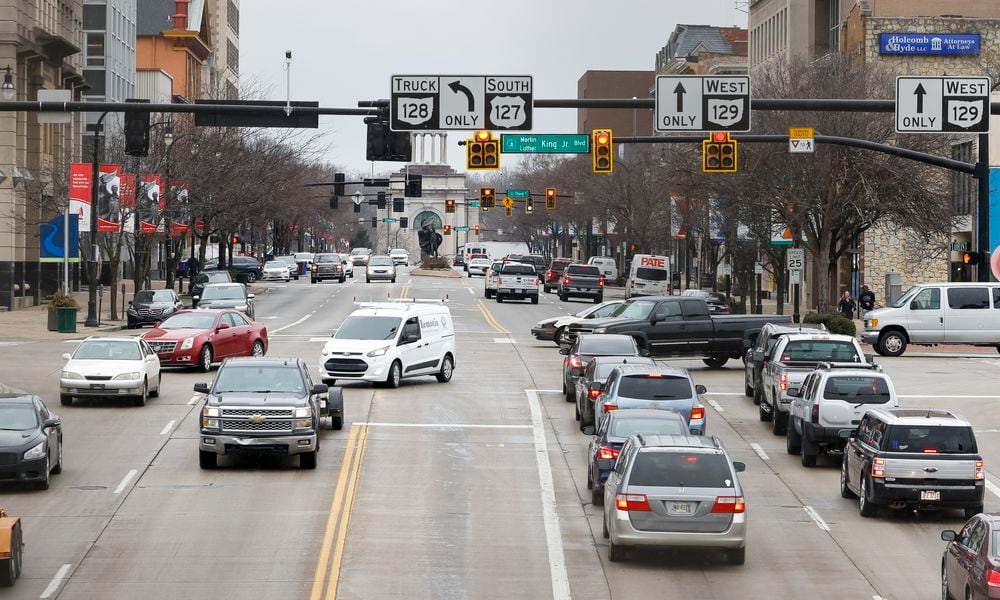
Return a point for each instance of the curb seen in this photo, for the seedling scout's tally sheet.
(449, 274)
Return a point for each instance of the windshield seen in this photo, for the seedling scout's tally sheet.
(681, 469)
(303, 256)
(380, 261)
(189, 321)
(107, 350)
(634, 310)
(624, 428)
(153, 296)
(17, 417)
(359, 251)
(607, 344)
(518, 270)
(905, 298)
(274, 264)
(368, 328)
(327, 258)
(857, 390)
(259, 380)
(583, 270)
(223, 292)
(218, 277)
(931, 440)
(647, 387)
(820, 351)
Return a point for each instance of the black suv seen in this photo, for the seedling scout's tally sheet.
(204, 278)
(149, 307)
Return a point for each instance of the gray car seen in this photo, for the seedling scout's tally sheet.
(597, 371)
(670, 491)
(226, 295)
(652, 386)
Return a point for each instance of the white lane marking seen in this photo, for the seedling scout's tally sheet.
(302, 320)
(503, 341)
(56, 582)
(444, 425)
(816, 518)
(471, 291)
(194, 399)
(876, 597)
(318, 339)
(550, 516)
(169, 426)
(993, 488)
(271, 317)
(128, 477)
(711, 393)
(760, 451)
(716, 406)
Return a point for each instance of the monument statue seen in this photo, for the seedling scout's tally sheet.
(430, 240)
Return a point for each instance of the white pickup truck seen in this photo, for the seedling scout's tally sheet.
(517, 281)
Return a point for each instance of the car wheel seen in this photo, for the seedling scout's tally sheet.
(604, 528)
(312, 280)
(845, 489)
(251, 277)
(762, 414)
(44, 483)
(808, 453)
(615, 552)
(715, 362)
(892, 343)
(487, 295)
(368, 279)
(257, 349)
(597, 495)
(205, 359)
(499, 299)
(590, 478)
(207, 460)
(140, 400)
(10, 568)
(756, 395)
(793, 443)
(737, 556)
(534, 299)
(343, 279)
(570, 393)
(447, 369)
(865, 507)
(560, 334)
(57, 469)
(307, 460)
(65, 399)
(337, 423)
(563, 298)
(778, 424)
(155, 392)
(576, 409)
(971, 511)
(945, 593)
(395, 374)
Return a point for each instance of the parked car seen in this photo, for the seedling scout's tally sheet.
(492, 274)
(226, 295)
(597, 372)
(554, 273)
(204, 278)
(381, 267)
(652, 386)
(612, 434)
(201, 338)
(906, 458)
(151, 306)
(277, 270)
(717, 302)
(293, 267)
(675, 491)
(556, 328)
(970, 564)
(31, 440)
(400, 256)
(242, 265)
(517, 281)
(327, 266)
(581, 281)
(584, 349)
(607, 266)
(763, 340)
(478, 266)
(110, 366)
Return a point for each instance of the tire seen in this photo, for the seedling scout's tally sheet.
(715, 362)
(44, 483)
(155, 393)
(394, 376)
(447, 369)
(559, 334)
(845, 490)
(368, 279)
(257, 349)
(65, 399)
(971, 511)
(892, 343)
(337, 423)
(140, 400)
(207, 460)
(808, 454)
(598, 300)
(778, 424)
(865, 507)
(762, 414)
(205, 359)
(251, 277)
(757, 395)
(570, 394)
(945, 594)
(615, 552)
(563, 298)
(736, 557)
(499, 299)
(747, 390)
(10, 569)
(307, 460)
(597, 496)
(604, 528)
(576, 410)
(793, 443)
(487, 295)
(534, 299)
(393, 280)
(343, 279)
(59, 462)
(312, 280)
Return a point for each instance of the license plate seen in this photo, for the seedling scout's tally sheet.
(681, 508)
(97, 386)
(506, 290)
(930, 495)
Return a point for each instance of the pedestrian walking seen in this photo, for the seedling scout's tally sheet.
(866, 299)
(846, 306)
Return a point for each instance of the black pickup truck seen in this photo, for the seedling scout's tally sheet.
(674, 326)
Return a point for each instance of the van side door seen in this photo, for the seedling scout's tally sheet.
(925, 322)
(412, 348)
(967, 315)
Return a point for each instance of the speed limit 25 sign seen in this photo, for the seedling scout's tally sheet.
(796, 259)
(469, 102)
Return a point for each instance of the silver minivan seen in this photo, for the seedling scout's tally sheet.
(675, 491)
(936, 313)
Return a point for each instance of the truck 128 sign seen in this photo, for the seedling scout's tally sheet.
(469, 102)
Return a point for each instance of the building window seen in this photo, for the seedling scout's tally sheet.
(95, 49)
(232, 56)
(95, 78)
(234, 17)
(963, 187)
(95, 16)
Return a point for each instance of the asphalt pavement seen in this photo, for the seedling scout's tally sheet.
(471, 489)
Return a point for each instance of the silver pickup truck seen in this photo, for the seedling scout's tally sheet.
(792, 358)
(517, 281)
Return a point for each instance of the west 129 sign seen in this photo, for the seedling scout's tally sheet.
(460, 102)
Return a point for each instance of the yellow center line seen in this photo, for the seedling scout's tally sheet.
(490, 319)
(338, 550)
(403, 292)
(331, 522)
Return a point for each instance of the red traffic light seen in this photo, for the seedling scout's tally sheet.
(720, 136)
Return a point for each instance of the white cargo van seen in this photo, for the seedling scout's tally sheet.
(648, 275)
(385, 342)
(936, 313)
(607, 266)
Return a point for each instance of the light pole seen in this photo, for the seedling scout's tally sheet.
(92, 320)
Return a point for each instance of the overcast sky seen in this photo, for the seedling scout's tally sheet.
(345, 51)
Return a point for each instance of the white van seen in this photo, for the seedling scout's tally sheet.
(936, 313)
(384, 342)
(648, 275)
(607, 266)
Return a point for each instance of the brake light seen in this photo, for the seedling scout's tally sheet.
(567, 280)
(729, 504)
(979, 470)
(499, 280)
(595, 393)
(878, 467)
(632, 502)
(930, 450)
(607, 453)
(783, 381)
(631, 284)
(575, 362)
(994, 578)
(600, 281)
(815, 413)
(608, 407)
(551, 274)
(698, 412)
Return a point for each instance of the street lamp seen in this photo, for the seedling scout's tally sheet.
(7, 89)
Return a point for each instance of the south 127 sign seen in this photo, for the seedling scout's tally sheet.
(462, 102)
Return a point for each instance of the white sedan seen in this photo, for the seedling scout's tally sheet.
(274, 269)
(479, 266)
(554, 329)
(111, 366)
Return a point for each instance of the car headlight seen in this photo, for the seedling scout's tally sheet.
(305, 412)
(601, 330)
(36, 452)
(379, 352)
(135, 375)
(241, 307)
(187, 344)
(71, 375)
(211, 411)
(210, 417)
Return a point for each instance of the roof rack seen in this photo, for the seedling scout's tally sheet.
(849, 365)
(400, 302)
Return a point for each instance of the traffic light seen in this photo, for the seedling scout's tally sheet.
(971, 258)
(529, 205)
(550, 198)
(338, 184)
(404, 222)
(482, 152)
(380, 200)
(487, 198)
(374, 222)
(509, 211)
(476, 229)
(334, 202)
(398, 205)
(718, 154)
(604, 161)
(447, 229)
(449, 205)
(357, 207)
(236, 239)
(414, 186)
(137, 132)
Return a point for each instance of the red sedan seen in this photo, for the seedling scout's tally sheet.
(198, 338)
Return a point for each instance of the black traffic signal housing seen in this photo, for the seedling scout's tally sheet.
(404, 222)
(357, 207)
(529, 205)
(449, 205)
(482, 152)
(414, 186)
(137, 131)
(380, 200)
(971, 258)
(447, 229)
(334, 203)
(476, 229)
(387, 145)
(550, 198)
(603, 157)
(508, 210)
(398, 205)
(338, 184)
(487, 198)
(718, 154)
(374, 222)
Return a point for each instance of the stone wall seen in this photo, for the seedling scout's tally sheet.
(888, 249)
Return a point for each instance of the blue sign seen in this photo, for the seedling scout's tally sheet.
(994, 210)
(51, 237)
(928, 43)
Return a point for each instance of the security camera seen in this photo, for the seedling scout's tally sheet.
(288, 54)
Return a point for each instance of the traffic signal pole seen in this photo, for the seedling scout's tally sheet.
(983, 209)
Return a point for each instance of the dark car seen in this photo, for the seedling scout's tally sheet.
(717, 302)
(152, 306)
(536, 260)
(581, 281)
(247, 266)
(204, 278)
(226, 295)
(970, 567)
(328, 266)
(584, 349)
(615, 430)
(554, 273)
(597, 371)
(458, 261)
(30, 440)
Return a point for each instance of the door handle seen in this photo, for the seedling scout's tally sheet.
(941, 320)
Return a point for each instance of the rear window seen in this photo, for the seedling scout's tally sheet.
(518, 270)
(931, 439)
(680, 469)
(820, 351)
(583, 270)
(651, 274)
(857, 390)
(647, 387)
(558, 265)
(628, 427)
(965, 298)
(603, 344)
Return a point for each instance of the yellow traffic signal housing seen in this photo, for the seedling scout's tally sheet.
(550, 198)
(449, 205)
(447, 229)
(487, 198)
(476, 229)
(601, 142)
(719, 154)
(482, 152)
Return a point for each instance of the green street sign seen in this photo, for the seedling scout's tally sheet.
(474, 204)
(389, 220)
(462, 228)
(519, 193)
(556, 143)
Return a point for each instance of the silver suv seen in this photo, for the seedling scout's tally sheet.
(675, 491)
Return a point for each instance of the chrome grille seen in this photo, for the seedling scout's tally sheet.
(149, 312)
(264, 412)
(162, 347)
(242, 425)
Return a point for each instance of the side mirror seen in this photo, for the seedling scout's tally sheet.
(51, 422)
(564, 350)
(870, 359)
(948, 535)
(589, 430)
(222, 326)
(67, 356)
(739, 467)
(201, 388)
(656, 318)
(794, 392)
(409, 338)
(250, 296)
(320, 388)
(758, 355)
(130, 303)
(644, 353)
(596, 386)
(700, 389)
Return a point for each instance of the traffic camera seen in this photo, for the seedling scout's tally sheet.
(603, 158)
(718, 154)
(482, 152)
(550, 198)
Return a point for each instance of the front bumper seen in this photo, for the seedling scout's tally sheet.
(283, 276)
(135, 320)
(546, 334)
(870, 336)
(623, 533)
(573, 292)
(360, 368)
(386, 276)
(180, 358)
(24, 470)
(318, 275)
(223, 443)
(952, 496)
(79, 387)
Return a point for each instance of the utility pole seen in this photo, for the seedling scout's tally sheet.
(92, 318)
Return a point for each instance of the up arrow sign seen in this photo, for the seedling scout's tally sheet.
(919, 93)
(680, 91)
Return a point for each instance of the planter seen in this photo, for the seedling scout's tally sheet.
(53, 319)
(66, 319)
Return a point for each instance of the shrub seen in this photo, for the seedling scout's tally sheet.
(61, 299)
(435, 263)
(835, 323)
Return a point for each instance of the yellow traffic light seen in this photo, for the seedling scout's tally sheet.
(447, 229)
(487, 198)
(719, 154)
(550, 198)
(482, 152)
(449, 205)
(476, 229)
(603, 156)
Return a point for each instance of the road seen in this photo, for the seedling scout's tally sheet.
(471, 489)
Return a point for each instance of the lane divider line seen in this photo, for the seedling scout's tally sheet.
(56, 582)
(993, 488)
(816, 518)
(302, 320)
(490, 320)
(716, 406)
(760, 451)
(169, 426)
(345, 521)
(194, 400)
(331, 522)
(447, 425)
(128, 477)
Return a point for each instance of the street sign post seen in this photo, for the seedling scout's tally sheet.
(462, 228)
(456, 102)
(943, 104)
(519, 193)
(474, 204)
(796, 259)
(800, 140)
(389, 220)
(702, 103)
(545, 144)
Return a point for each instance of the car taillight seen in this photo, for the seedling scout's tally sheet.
(979, 470)
(815, 413)
(729, 504)
(993, 580)
(567, 280)
(878, 467)
(594, 393)
(783, 381)
(632, 502)
(600, 281)
(499, 280)
(698, 412)
(631, 284)
(551, 275)
(608, 407)
(575, 362)
(606, 453)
